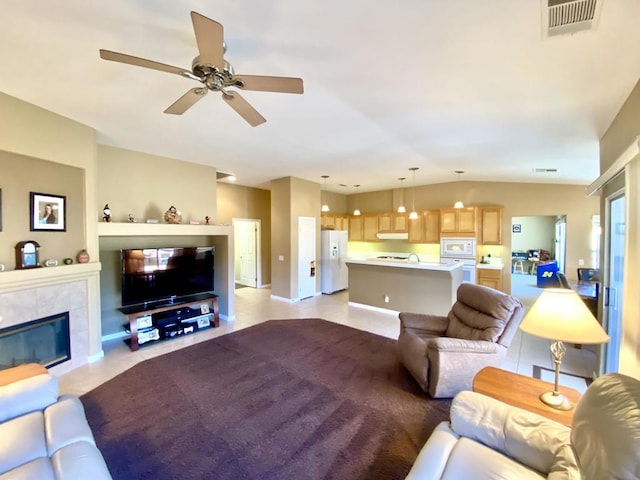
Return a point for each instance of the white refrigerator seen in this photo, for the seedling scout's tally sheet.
(334, 273)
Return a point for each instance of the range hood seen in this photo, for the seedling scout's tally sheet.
(393, 236)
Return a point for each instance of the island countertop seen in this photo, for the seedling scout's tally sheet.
(403, 285)
(389, 262)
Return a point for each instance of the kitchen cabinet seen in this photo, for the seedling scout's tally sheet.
(489, 277)
(426, 228)
(392, 222)
(328, 221)
(356, 230)
(370, 227)
(491, 229)
(342, 222)
(459, 221)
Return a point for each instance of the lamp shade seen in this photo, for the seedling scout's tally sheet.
(560, 314)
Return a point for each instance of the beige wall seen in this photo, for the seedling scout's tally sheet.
(290, 198)
(16, 182)
(236, 201)
(147, 185)
(519, 200)
(537, 232)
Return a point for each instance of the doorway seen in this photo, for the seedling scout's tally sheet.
(246, 233)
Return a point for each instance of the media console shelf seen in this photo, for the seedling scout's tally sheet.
(167, 321)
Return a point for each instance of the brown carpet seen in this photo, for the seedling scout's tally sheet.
(285, 399)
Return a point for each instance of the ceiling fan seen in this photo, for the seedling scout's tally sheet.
(214, 73)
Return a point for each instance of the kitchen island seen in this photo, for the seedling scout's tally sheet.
(403, 285)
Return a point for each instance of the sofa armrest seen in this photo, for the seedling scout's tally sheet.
(447, 344)
(434, 324)
(525, 436)
(28, 395)
(432, 459)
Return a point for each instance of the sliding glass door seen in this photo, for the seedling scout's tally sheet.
(614, 259)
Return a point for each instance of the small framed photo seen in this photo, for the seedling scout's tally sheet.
(517, 228)
(48, 212)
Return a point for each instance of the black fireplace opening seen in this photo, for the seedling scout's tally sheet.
(45, 341)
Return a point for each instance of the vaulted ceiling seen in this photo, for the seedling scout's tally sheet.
(437, 84)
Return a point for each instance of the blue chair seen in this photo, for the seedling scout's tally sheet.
(547, 275)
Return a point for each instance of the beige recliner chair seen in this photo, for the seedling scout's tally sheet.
(444, 353)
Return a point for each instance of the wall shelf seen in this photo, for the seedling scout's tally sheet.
(127, 229)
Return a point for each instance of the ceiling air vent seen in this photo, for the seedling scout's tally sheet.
(545, 170)
(564, 17)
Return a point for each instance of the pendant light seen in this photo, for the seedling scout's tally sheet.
(401, 208)
(413, 215)
(459, 203)
(325, 207)
(356, 211)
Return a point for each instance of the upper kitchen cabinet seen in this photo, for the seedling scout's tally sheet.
(392, 223)
(461, 222)
(370, 227)
(342, 222)
(356, 230)
(426, 228)
(328, 221)
(491, 218)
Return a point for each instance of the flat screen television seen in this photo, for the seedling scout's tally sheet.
(166, 275)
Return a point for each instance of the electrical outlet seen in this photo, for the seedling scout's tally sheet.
(386, 299)
(580, 262)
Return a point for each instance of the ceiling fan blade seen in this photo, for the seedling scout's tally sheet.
(243, 107)
(262, 83)
(210, 38)
(141, 62)
(186, 101)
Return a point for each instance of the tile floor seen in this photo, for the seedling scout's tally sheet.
(255, 305)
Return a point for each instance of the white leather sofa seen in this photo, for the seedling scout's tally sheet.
(487, 439)
(44, 436)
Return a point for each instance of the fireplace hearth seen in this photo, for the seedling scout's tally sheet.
(45, 341)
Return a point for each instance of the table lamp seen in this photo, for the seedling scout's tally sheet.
(559, 314)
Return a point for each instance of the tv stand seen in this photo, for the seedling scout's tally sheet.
(153, 322)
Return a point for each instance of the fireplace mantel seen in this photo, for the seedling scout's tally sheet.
(126, 229)
(13, 280)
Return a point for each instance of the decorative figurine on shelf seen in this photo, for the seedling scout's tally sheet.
(106, 213)
(83, 256)
(131, 219)
(172, 215)
(206, 220)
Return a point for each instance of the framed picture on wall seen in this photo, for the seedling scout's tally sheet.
(48, 212)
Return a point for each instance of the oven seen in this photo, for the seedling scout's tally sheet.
(460, 250)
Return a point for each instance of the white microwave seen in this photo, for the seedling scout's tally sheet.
(458, 247)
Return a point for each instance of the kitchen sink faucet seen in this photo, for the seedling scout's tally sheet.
(414, 255)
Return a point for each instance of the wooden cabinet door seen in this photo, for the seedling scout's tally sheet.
(399, 224)
(491, 226)
(385, 223)
(431, 226)
(416, 230)
(448, 220)
(355, 229)
(328, 221)
(370, 227)
(490, 278)
(342, 222)
(467, 220)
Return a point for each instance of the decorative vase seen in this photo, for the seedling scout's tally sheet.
(83, 256)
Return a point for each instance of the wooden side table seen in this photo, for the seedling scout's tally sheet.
(21, 372)
(523, 392)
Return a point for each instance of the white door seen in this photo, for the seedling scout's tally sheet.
(614, 261)
(246, 234)
(307, 267)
